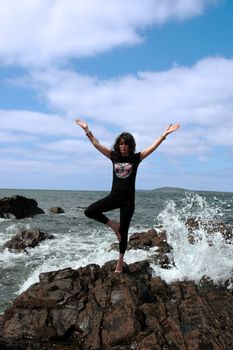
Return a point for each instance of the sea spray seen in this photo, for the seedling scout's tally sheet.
(91, 249)
(79, 241)
(207, 254)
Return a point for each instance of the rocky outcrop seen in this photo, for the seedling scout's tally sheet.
(210, 228)
(151, 239)
(56, 210)
(146, 240)
(92, 308)
(19, 206)
(26, 239)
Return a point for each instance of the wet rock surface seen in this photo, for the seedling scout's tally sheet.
(26, 239)
(146, 240)
(151, 239)
(92, 308)
(210, 228)
(19, 206)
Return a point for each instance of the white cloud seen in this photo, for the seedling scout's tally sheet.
(9, 137)
(47, 131)
(67, 146)
(39, 32)
(49, 149)
(52, 148)
(35, 123)
(199, 97)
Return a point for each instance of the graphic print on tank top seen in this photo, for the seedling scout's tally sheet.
(123, 170)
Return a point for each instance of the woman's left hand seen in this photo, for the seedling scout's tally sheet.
(171, 128)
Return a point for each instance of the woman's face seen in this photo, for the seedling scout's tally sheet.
(123, 147)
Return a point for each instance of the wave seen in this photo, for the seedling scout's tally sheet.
(79, 242)
(209, 255)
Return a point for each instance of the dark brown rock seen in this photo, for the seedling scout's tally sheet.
(19, 206)
(93, 308)
(210, 228)
(192, 223)
(149, 239)
(56, 210)
(26, 239)
(225, 230)
(161, 260)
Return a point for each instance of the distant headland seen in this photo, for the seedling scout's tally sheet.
(168, 189)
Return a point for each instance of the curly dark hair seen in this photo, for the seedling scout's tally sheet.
(129, 140)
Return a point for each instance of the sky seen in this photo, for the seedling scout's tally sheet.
(125, 65)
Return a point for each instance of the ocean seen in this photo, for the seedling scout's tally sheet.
(79, 241)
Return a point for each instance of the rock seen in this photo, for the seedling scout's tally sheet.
(19, 206)
(209, 227)
(25, 239)
(161, 260)
(113, 246)
(92, 308)
(146, 240)
(5, 215)
(192, 223)
(225, 230)
(56, 210)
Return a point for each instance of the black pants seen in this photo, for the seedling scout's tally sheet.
(112, 201)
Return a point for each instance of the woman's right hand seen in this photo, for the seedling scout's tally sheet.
(103, 149)
(82, 123)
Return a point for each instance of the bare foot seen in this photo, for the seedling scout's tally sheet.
(115, 226)
(116, 271)
(119, 266)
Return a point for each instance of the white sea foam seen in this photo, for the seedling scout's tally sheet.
(3, 219)
(15, 228)
(79, 241)
(7, 259)
(10, 231)
(192, 261)
(210, 255)
(75, 251)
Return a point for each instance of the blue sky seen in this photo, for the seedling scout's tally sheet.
(134, 65)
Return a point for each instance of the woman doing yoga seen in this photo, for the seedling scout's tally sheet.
(122, 196)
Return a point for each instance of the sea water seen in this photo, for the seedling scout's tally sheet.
(79, 241)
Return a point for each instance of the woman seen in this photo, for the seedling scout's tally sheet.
(125, 163)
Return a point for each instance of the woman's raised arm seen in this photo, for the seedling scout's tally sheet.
(147, 151)
(101, 148)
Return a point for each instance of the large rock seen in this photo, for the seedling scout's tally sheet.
(19, 206)
(26, 239)
(93, 308)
